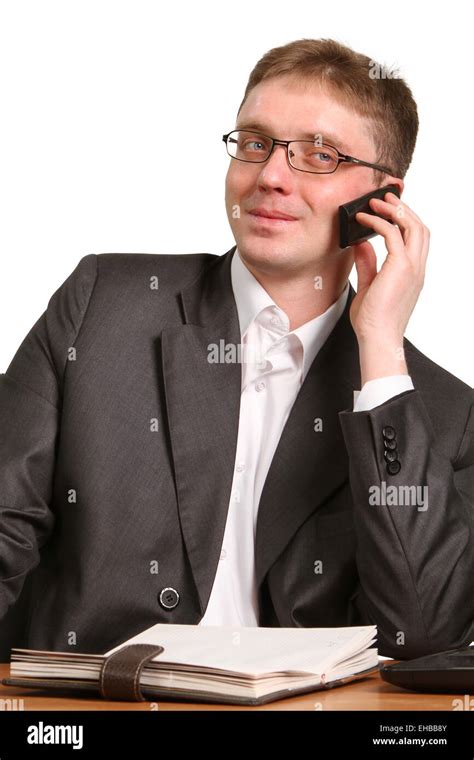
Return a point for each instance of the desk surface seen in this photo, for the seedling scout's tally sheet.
(370, 693)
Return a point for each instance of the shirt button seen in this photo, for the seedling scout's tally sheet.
(275, 321)
(240, 467)
(260, 386)
(223, 554)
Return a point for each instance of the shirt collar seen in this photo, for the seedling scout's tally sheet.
(249, 295)
(251, 298)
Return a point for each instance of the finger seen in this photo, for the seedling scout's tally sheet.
(411, 228)
(395, 200)
(402, 209)
(391, 233)
(398, 212)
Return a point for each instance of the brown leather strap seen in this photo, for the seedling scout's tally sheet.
(120, 672)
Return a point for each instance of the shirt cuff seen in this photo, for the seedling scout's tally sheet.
(375, 392)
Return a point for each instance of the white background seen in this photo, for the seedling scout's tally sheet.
(93, 91)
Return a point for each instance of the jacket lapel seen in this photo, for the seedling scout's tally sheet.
(203, 403)
(308, 464)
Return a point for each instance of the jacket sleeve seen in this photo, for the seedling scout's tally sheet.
(30, 407)
(415, 546)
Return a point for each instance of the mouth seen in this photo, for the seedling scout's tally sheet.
(266, 219)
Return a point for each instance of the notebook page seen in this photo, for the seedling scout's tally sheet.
(254, 650)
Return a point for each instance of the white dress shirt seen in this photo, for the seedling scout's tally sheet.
(275, 362)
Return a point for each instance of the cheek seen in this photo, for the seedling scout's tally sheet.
(322, 201)
(352, 183)
(235, 192)
(235, 181)
(241, 181)
(325, 196)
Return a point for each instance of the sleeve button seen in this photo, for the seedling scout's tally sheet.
(394, 467)
(389, 432)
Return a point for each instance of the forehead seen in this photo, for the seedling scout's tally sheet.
(290, 109)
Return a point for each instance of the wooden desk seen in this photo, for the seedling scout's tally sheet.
(371, 693)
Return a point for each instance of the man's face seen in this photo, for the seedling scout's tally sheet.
(287, 110)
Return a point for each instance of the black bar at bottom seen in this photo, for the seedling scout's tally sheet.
(136, 734)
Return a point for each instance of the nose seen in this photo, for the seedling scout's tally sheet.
(276, 169)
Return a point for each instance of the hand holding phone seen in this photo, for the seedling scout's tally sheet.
(350, 231)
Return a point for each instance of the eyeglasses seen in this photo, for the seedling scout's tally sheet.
(303, 155)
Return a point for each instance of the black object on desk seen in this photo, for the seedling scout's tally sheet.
(451, 671)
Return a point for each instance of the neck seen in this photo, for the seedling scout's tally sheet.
(299, 294)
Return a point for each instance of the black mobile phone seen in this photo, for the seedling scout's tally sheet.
(451, 671)
(351, 231)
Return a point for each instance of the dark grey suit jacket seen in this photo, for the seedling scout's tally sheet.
(117, 449)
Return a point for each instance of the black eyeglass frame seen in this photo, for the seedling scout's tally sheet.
(341, 157)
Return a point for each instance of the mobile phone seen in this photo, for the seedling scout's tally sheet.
(350, 231)
(451, 671)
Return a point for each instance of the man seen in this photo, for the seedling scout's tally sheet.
(179, 440)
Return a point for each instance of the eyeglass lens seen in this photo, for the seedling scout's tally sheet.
(304, 154)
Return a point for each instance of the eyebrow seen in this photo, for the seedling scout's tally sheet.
(330, 137)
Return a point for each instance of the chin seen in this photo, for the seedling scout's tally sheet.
(269, 254)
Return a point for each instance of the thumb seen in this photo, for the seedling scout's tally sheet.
(365, 261)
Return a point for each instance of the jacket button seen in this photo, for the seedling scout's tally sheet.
(388, 432)
(391, 445)
(169, 598)
(390, 455)
(394, 467)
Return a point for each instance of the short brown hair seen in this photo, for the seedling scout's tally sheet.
(386, 101)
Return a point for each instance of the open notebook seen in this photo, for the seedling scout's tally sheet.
(248, 665)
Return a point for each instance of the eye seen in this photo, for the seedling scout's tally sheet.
(325, 157)
(249, 143)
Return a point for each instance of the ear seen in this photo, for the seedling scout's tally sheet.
(390, 180)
